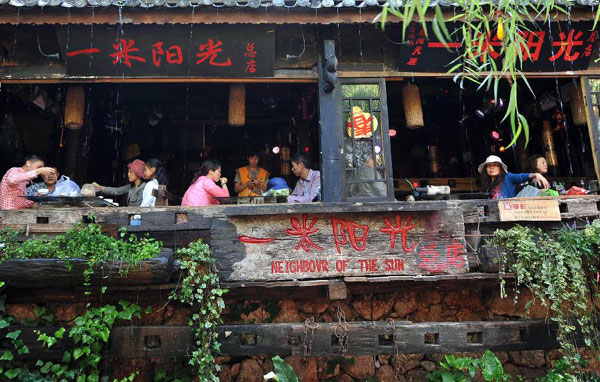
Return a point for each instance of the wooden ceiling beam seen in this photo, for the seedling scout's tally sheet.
(210, 15)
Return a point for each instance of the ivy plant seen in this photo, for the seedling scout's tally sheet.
(200, 289)
(555, 267)
(89, 336)
(464, 369)
(82, 242)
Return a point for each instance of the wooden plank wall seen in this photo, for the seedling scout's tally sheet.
(469, 222)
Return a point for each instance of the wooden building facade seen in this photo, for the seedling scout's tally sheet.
(412, 278)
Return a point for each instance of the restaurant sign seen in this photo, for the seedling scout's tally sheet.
(558, 46)
(512, 210)
(245, 51)
(308, 246)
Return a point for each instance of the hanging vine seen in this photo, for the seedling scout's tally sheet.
(200, 289)
(556, 268)
(481, 21)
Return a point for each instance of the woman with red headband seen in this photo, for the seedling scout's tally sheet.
(134, 190)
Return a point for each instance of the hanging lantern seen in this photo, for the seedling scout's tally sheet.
(237, 105)
(411, 99)
(577, 105)
(549, 149)
(434, 160)
(284, 161)
(74, 107)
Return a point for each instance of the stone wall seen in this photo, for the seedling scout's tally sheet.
(416, 304)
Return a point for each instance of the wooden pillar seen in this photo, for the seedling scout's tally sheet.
(592, 123)
(330, 129)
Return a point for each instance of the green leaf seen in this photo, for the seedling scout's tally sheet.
(13, 335)
(491, 367)
(7, 356)
(283, 370)
(77, 353)
(12, 373)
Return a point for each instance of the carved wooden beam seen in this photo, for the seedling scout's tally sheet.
(364, 338)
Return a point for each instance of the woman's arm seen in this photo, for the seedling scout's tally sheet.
(116, 191)
(215, 191)
(539, 179)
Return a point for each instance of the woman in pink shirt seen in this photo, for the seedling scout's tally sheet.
(204, 189)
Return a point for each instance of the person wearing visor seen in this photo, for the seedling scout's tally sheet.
(499, 183)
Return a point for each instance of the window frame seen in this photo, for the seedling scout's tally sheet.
(385, 141)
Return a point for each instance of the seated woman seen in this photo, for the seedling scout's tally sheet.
(156, 175)
(537, 163)
(135, 175)
(204, 189)
(499, 183)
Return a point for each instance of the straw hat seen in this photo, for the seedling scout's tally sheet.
(492, 159)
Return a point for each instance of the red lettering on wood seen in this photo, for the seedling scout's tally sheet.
(255, 240)
(341, 228)
(304, 232)
(399, 229)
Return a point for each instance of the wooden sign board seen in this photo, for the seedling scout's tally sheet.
(245, 51)
(564, 46)
(512, 210)
(307, 246)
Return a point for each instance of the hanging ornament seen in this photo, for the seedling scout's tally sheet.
(284, 161)
(411, 99)
(434, 160)
(577, 104)
(559, 120)
(74, 107)
(500, 30)
(237, 105)
(549, 149)
(364, 123)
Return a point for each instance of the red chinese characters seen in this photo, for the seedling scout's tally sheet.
(251, 54)
(173, 54)
(210, 51)
(124, 49)
(345, 232)
(399, 229)
(566, 44)
(417, 43)
(534, 42)
(83, 51)
(490, 45)
(304, 232)
(431, 261)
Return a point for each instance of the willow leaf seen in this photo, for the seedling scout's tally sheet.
(525, 124)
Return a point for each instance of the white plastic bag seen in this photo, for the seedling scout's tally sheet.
(66, 187)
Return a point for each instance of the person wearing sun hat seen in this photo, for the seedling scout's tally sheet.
(499, 183)
(134, 190)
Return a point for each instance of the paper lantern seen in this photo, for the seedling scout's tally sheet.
(434, 160)
(549, 150)
(577, 105)
(411, 99)
(284, 161)
(74, 107)
(237, 105)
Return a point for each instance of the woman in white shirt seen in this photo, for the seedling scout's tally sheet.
(156, 175)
